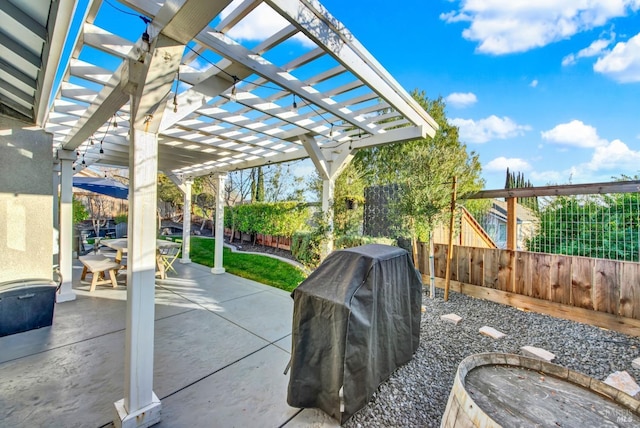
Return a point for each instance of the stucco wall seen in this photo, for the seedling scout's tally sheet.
(26, 201)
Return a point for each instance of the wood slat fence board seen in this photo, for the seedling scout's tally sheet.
(601, 285)
(606, 288)
(581, 280)
(629, 290)
(560, 286)
(540, 275)
(491, 260)
(455, 263)
(440, 259)
(464, 264)
(504, 270)
(477, 266)
(523, 274)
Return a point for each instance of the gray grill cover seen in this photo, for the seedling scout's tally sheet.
(356, 319)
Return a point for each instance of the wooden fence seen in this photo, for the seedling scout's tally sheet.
(597, 291)
(281, 242)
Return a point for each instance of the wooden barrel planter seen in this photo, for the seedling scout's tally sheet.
(508, 390)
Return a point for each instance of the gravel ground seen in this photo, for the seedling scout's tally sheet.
(417, 393)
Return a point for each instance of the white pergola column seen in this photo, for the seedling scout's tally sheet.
(328, 190)
(56, 212)
(219, 227)
(329, 163)
(65, 228)
(186, 222)
(140, 404)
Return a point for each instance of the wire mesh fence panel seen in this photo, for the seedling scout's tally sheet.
(601, 226)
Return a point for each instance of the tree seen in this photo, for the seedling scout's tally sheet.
(79, 211)
(514, 181)
(168, 191)
(257, 185)
(348, 207)
(207, 203)
(281, 185)
(423, 170)
(100, 207)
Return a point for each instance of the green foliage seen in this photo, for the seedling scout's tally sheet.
(514, 181)
(168, 191)
(268, 218)
(120, 218)
(350, 241)
(423, 170)
(266, 270)
(348, 206)
(80, 212)
(305, 247)
(257, 184)
(600, 226)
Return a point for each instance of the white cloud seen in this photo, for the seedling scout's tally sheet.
(259, 24)
(490, 128)
(534, 83)
(570, 175)
(461, 100)
(594, 49)
(574, 133)
(615, 156)
(502, 163)
(507, 26)
(622, 63)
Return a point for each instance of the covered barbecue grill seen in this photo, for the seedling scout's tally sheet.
(356, 319)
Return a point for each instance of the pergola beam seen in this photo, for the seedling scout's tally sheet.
(326, 31)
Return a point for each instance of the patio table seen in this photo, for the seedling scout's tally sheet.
(120, 245)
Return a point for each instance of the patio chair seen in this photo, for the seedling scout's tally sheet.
(169, 255)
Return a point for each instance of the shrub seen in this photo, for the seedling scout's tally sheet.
(350, 241)
(305, 247)
(120, 218)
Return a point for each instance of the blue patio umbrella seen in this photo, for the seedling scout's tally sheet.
(103, 186)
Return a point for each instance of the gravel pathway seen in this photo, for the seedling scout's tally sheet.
(417, 393)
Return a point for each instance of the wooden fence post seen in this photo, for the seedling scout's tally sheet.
(450, 249)
(512, 239)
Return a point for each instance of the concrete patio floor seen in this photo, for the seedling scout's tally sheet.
(221, 346)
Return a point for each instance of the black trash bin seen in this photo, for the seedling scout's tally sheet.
(356, 319)
(26, 304)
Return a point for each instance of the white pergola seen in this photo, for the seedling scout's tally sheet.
(165, 87)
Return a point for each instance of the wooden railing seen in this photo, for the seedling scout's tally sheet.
(596, 291)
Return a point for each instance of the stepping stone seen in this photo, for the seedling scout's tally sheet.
(452, 318)
(636, 363)
(491, 332)
(539, 353)
(424, 308)
(624, 382)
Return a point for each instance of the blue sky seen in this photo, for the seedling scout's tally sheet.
(550, 88)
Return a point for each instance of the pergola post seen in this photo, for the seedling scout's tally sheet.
(140, 406)
(219, 226)
(56, 212)
(186, 222)
(65, 253)
(328, 190)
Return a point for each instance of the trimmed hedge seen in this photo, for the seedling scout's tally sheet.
(272, 218)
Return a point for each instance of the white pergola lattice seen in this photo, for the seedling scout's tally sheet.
(227, 104)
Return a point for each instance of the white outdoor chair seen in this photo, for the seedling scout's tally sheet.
(169, 255)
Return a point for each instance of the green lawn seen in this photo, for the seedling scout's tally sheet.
(266, 270)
